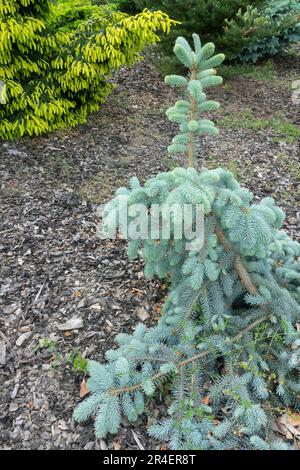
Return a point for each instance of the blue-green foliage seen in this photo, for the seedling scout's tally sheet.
(187, 112)
(226, 340)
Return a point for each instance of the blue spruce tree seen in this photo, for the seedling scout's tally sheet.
(234, 302)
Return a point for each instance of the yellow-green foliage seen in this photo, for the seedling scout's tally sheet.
(55, 79)
(67, 15)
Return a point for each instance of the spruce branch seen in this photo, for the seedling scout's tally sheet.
(186, 112)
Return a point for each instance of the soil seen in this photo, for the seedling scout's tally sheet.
(54, 266)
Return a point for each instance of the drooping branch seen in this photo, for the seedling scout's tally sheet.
(251, 289)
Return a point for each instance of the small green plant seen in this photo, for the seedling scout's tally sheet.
(226, 343)
(73, 360)
(45, 343)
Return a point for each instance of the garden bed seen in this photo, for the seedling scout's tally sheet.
(54, 267)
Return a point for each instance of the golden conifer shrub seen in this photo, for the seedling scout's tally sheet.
(54, 79)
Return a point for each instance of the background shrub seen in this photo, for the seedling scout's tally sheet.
(206, 17)
(273, 28)
(244, 30)
(55, 79)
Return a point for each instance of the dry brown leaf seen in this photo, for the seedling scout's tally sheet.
(159, 307)
(24, 329)
(83, 389)
(142, 314)
(206, 400)
(117, 445)
(68, 333)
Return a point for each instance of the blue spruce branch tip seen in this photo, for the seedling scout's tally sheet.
(237, 299)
